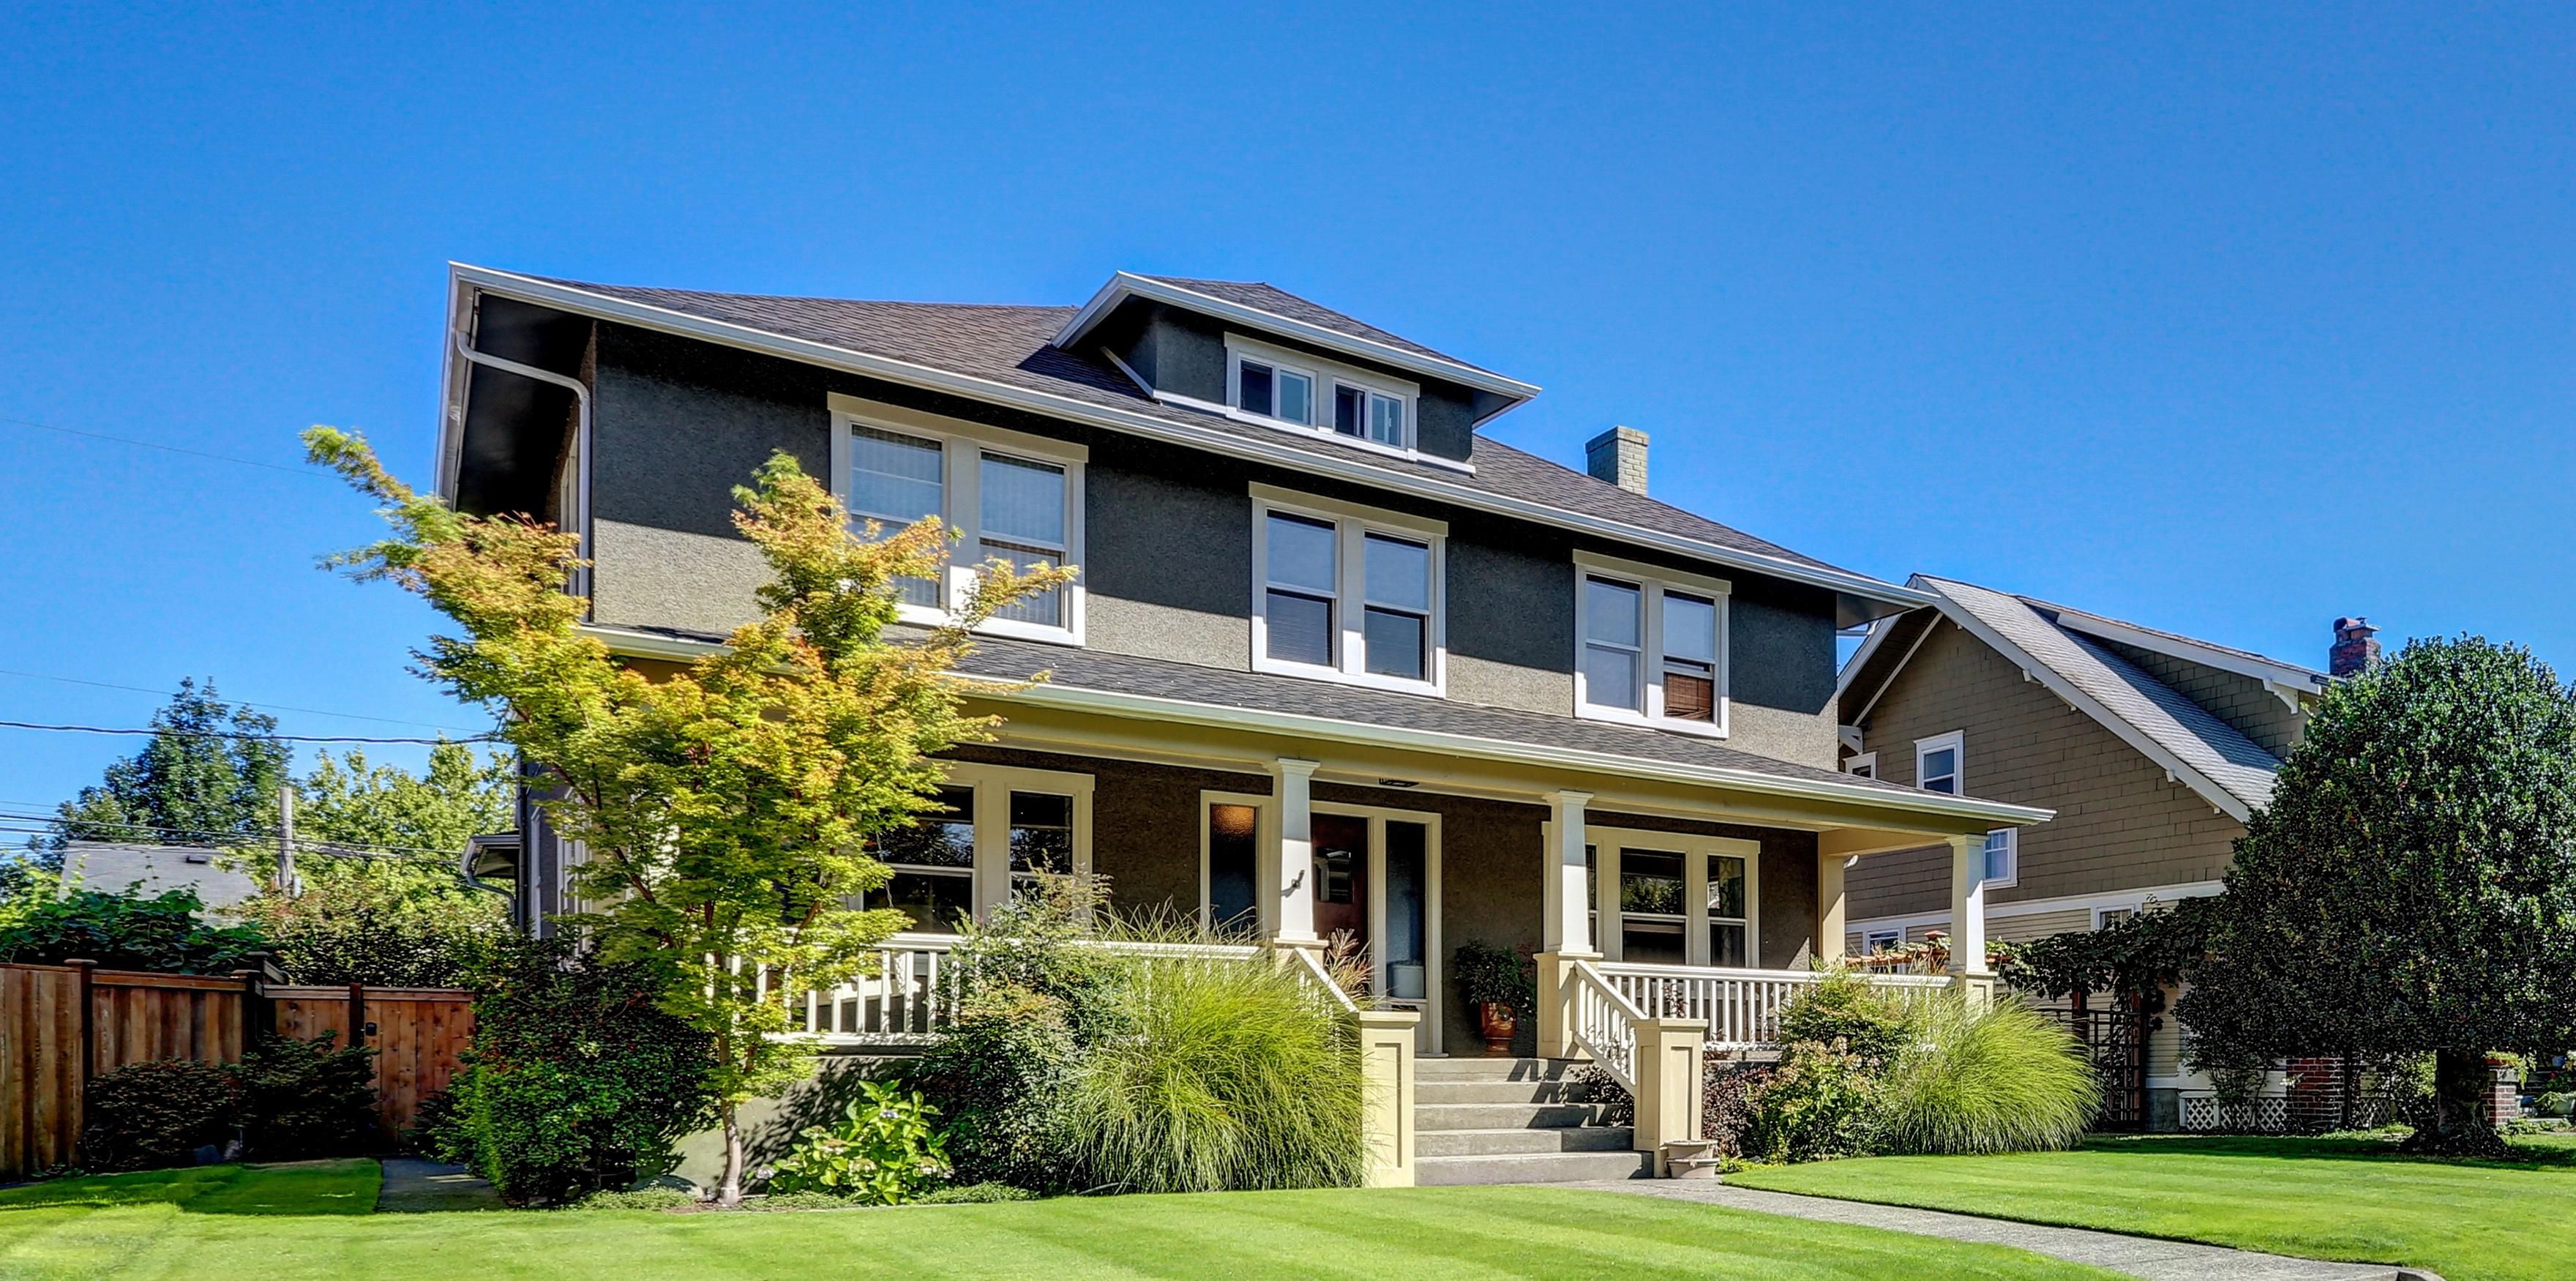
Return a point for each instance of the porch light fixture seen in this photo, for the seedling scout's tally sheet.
(1397, 782)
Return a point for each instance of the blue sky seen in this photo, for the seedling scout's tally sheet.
(2222, 321)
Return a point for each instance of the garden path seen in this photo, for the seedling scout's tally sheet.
(2147, 1257)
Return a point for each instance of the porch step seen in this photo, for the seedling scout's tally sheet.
(1572, 1138)
(1477, 1068)
(1503, 1116)
(1549, 1167)
(1478, 1090)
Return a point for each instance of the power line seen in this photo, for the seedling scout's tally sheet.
(152, 444)
(278, 707)
(253, 838)
(237, 734)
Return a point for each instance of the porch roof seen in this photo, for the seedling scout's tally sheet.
(1130, 686)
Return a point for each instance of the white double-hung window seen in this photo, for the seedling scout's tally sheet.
(1347, 593)
(1280, 387)
(1650, 645)
(1009, 496)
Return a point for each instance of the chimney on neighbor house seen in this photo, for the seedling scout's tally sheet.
(2353, 647)
(1618, 456)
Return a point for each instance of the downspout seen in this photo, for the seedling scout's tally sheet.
(578, 519)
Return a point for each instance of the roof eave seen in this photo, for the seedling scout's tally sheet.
(1126, 285)
(651, 645)
(1859, 587)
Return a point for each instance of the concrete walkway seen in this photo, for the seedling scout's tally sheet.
(413, 1186)
(2137, 1256)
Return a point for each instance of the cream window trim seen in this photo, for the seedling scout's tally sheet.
(1352, 524)
(1608, 842)
(993, 786)
(963, 447)
(1652, 584)
(1956, 743)
(1323, 374)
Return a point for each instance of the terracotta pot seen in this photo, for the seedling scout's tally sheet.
(1495, 1020)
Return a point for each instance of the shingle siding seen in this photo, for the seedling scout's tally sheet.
(2241, 701)
(2119, 825)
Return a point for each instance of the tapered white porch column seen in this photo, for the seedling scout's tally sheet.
(1566, 930)
(1831, 917)
(1291, 873)
(1968, 972)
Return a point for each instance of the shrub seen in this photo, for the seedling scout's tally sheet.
(2000, 1078)
(1214, 1074)
(382, 924)
(885, 1151)
(1818, 1103)
(1003, 1074)
(974, 1194)
(441, 1130)
(577, 1081)
(165, 933)
(636, 1199)
(305, 1099)
(159, 1113)
(1842, 1007)
(1616, 1105)
(804, 1201)
(1730, 1095)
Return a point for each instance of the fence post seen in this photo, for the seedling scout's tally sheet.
(89, 1025)
(357, 1015)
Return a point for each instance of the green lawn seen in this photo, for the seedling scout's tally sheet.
(2323, 1198)
(278, 1223)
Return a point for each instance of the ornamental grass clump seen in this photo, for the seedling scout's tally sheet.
(1997, 1078)
(1216, 1073)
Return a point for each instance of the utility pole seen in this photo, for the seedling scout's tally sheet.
(286, 839)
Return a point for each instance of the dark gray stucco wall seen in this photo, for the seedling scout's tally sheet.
(1444, 424)
(679, 423)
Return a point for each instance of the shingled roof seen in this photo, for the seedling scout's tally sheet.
(1013, 345)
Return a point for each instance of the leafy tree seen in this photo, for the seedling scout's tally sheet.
(209, 776)
(459, 796)
(2412, 885)
(121, 931)
(725, 806)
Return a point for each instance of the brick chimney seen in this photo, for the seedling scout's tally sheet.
(2353, 647)
(1618, 456)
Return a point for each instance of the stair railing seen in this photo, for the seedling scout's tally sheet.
(1605, 1024)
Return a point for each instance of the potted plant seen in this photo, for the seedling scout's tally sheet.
(1497, 983)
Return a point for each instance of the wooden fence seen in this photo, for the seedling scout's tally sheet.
(63, 1024)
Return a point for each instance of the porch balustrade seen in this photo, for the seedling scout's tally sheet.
(910, 992)
(1740, 1007)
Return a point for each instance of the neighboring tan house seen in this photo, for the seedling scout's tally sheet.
(2151, 748)
(1337, 661)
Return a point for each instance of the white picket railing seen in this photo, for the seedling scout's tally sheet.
(1742, 1007)
(909, 993)
(1605, 1024)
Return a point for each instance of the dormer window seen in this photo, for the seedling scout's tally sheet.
(1283, 388)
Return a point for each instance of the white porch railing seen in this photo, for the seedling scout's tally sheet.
(910, 992)
(1741, 1007)
(1605, 1024)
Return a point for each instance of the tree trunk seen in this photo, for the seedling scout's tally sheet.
(2458, 1124)
(729, 1188)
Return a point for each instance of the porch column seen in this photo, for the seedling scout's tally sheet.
(1566, 927)
(1830, 915)
(1968, 972)
(1291, 919)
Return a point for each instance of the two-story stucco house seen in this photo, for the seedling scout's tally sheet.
(2151, 748)
(1336, 661)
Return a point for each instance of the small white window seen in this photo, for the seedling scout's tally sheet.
(1012, 496)
(1651, 646)
(1936, 762)
(1346, 593)
(1873, 942)
(1864, 765)
(2105, 918)
(2003, 856)
(1280, 387)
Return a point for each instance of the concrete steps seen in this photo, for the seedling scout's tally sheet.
(1482, 1121)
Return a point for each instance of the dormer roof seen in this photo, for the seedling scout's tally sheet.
(1270, 310)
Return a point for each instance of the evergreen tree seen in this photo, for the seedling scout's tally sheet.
(209, 776)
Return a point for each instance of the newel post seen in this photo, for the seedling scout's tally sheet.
(1386, 1093)
(1668, 1063)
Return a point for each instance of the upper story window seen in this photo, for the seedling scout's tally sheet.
(1012, 497)
(1652, 646)
(1937, 762)
(1346, 593)
(1292, 389)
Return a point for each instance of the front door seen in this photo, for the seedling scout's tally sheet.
(1341, 879)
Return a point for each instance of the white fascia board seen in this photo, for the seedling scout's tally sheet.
(1355, 469)
(2258, 668)
(1184, 712)
(452, 373)
(1126, 285)
(2057, 684)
